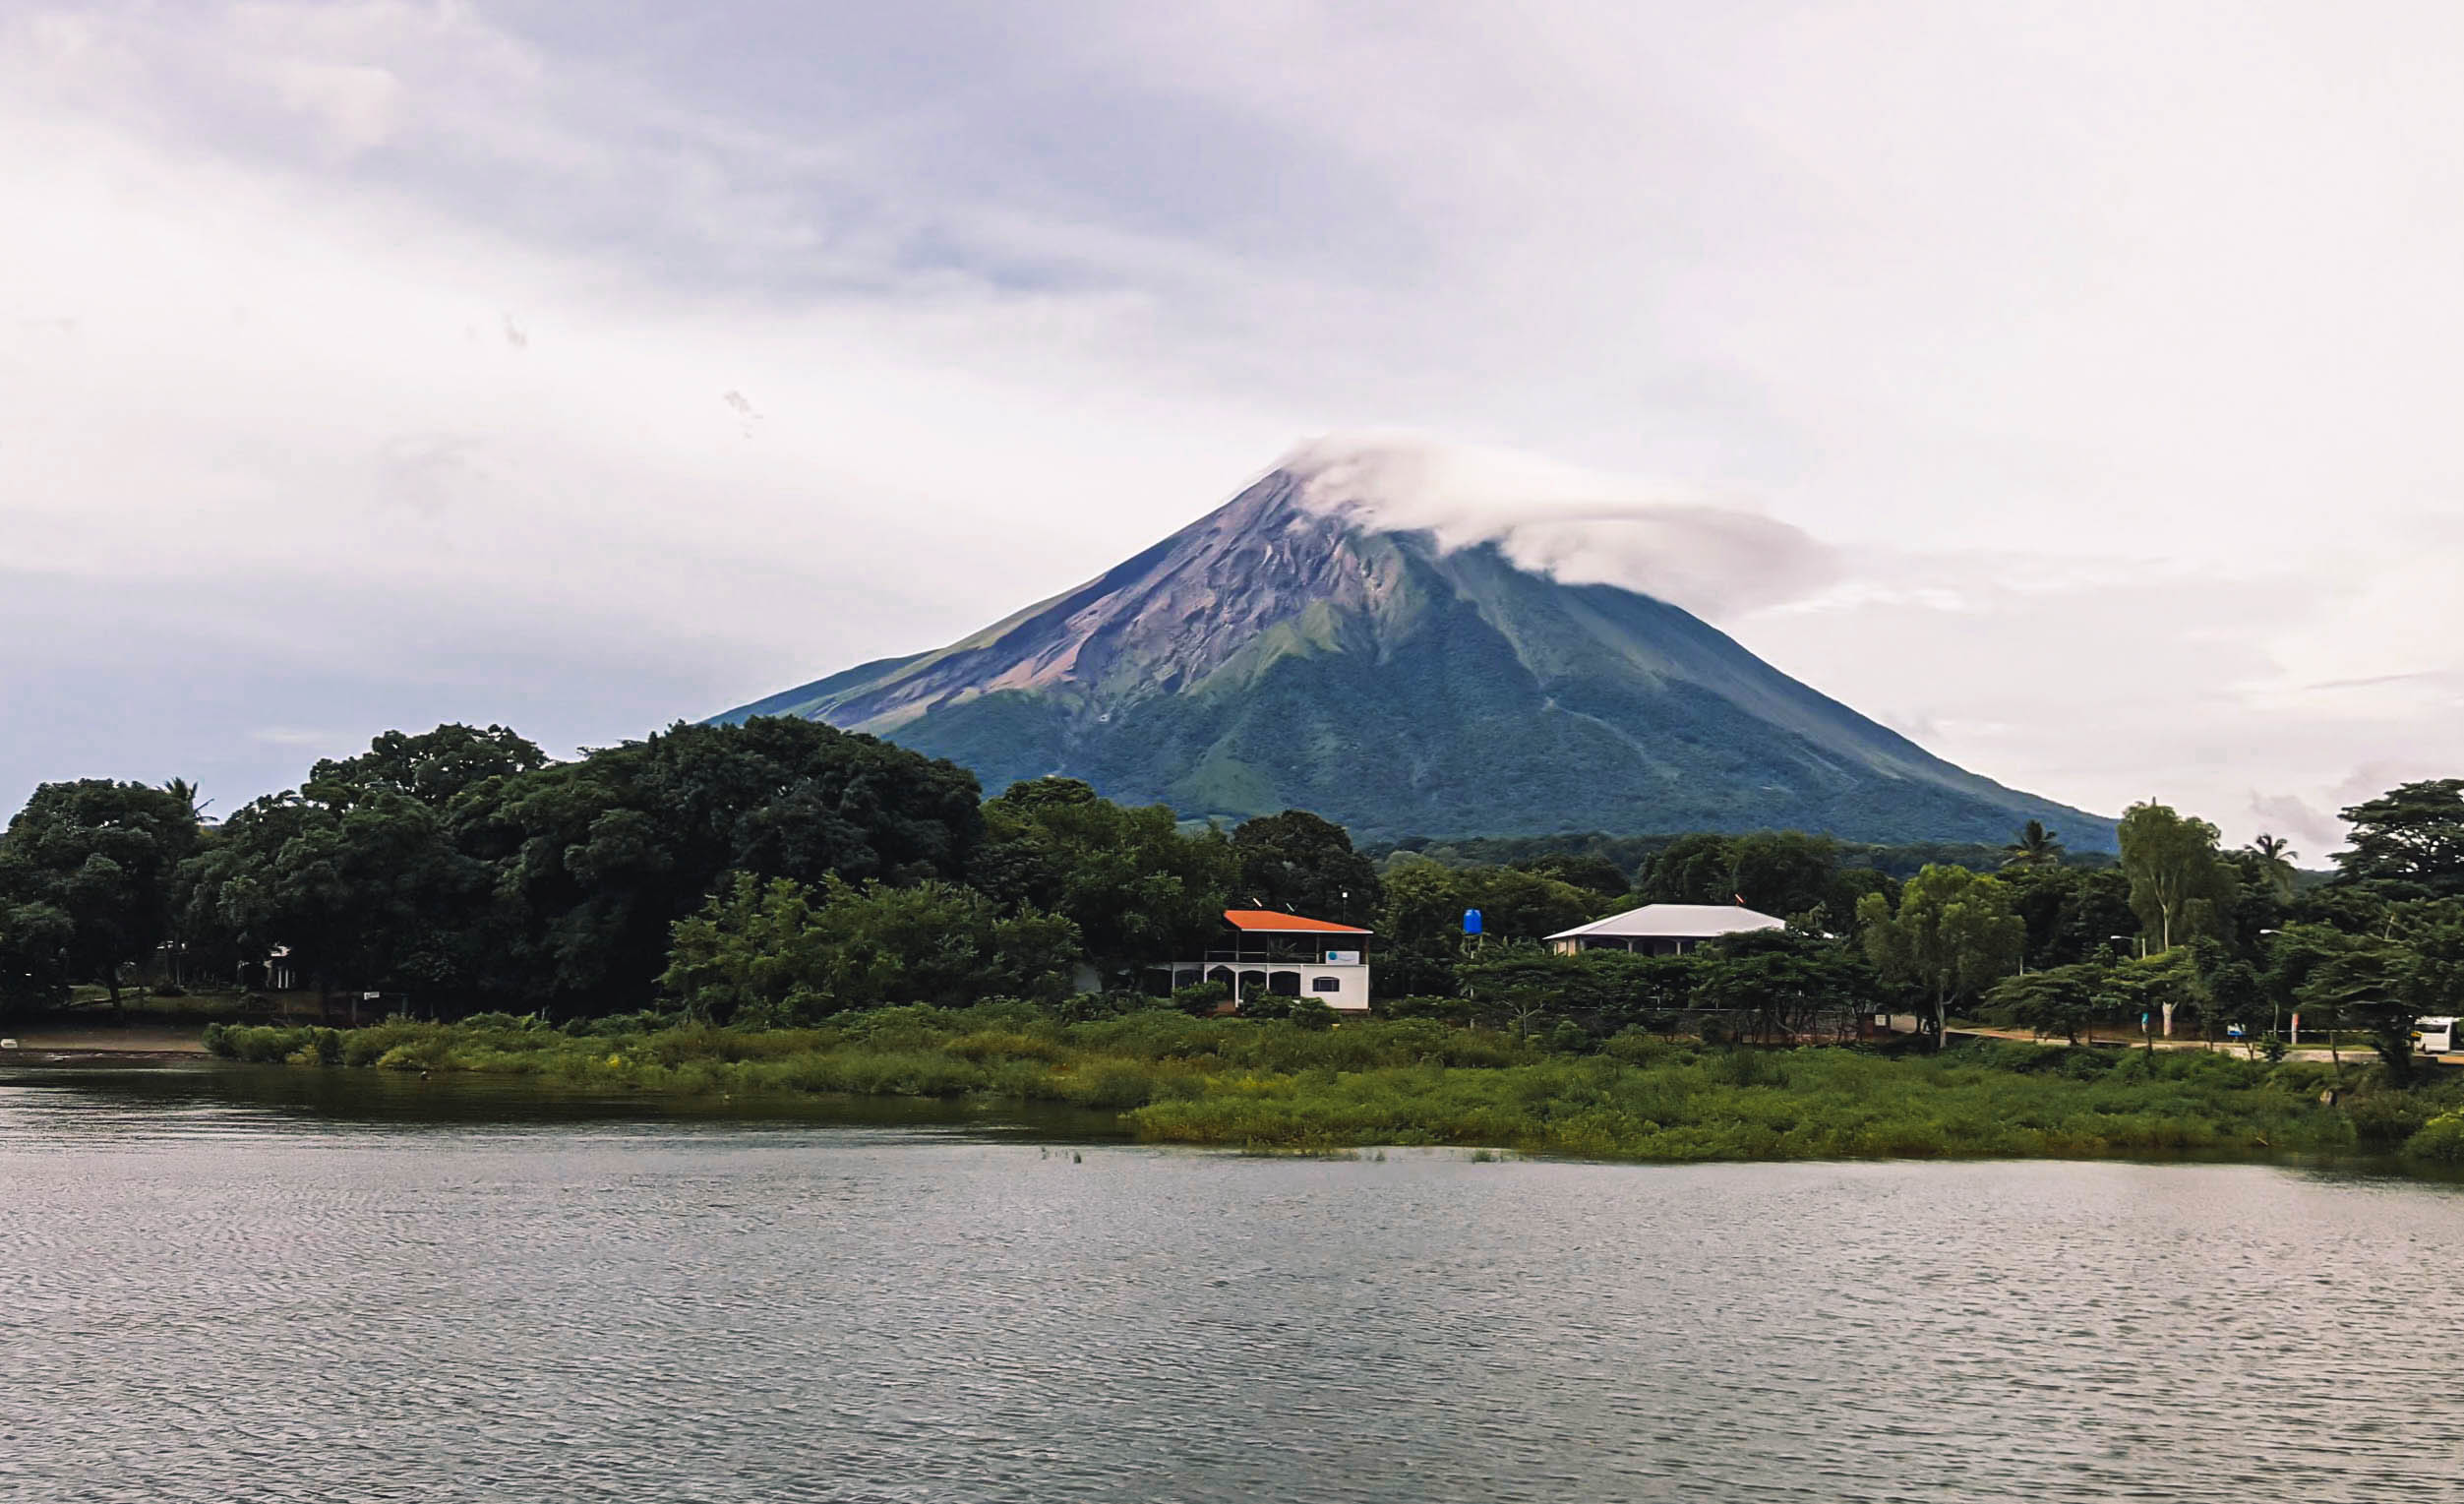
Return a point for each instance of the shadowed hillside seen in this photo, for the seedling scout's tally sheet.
(1276, 655)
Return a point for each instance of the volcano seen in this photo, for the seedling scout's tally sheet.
(1280, 653)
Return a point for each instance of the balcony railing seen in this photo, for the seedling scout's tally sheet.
(1279, 956)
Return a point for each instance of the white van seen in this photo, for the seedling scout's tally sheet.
(2437, 1035)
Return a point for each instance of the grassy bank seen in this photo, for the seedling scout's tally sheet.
(1279, 1085)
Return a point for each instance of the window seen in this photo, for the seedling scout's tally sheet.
(1325, 984)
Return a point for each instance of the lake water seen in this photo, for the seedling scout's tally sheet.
(282, 1286)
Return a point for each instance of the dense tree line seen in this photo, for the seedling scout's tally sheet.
(2229, 940)
(464, 868)
(1631, 854)
(2178, 935)
(782, 870)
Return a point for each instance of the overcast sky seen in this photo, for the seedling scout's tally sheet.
(588, 366)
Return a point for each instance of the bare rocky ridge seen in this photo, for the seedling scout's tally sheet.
(1161, 622)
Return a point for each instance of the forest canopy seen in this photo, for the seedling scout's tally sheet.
(780, 870)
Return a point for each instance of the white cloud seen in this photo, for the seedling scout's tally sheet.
(1581, 526)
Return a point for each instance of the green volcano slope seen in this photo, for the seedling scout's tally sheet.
(1272, 655)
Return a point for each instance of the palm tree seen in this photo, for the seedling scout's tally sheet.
(2035, 847)
(186, 793)
(2275, 859)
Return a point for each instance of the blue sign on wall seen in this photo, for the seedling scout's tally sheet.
(1471, 921)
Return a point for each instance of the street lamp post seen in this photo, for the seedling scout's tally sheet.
(2276, 1012)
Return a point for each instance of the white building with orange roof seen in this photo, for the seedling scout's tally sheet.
(1285, 955)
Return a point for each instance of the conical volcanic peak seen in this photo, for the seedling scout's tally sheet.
(1160, 621)
(1280, 653)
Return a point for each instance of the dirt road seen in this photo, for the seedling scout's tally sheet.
(2352, 1055)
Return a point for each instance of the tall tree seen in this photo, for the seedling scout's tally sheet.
(2157, 987)
(1425, 901)
(186, 794)
(1782, 980)
(2180, 885)
(372, 895)
(2062, 1001)
(1298, 864)
(2272, 858)
(2035, 846)
(2388, 983)
(1589, 870)
(781, 953)
(432, 768)
(35, 941)
(2231, 989)
(1953, 935)
(2297, 959)
(101, 856)
(2408, 842)
(594, 859)
(2036, 896)
(1138, 889)
(1692, 868)
(1776, 871)
(1786, 873)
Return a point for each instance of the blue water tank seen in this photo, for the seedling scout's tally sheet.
(1471, 921)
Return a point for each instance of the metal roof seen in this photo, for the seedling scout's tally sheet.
(1675, 922)
(1268, 922)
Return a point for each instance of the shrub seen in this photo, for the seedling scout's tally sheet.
(1202, 999)
(1114, 1084)
(1636, 1045)
(1155, 1034)
(618, 1025)
(2387, 1118)
(1003, 1044)
(1745, 1065)
(323, 1048)
(1084, 1007)
(1282, 1084)
(1453, 1011)
(261, 1044)
(1310, 1014)
(1568, 1038)
(1267, 1005)
(2439, 1141)
(368, 1046)
(504, 1021)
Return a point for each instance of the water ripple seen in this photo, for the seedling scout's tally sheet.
(210, 1301)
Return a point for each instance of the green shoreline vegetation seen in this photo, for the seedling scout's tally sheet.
(777, 905)
(1284, 1085)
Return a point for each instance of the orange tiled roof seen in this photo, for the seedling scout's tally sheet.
(1267, 921)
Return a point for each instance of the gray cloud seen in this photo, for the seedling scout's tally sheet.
(2318, 831)
(2075, 386)
(160, 683)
